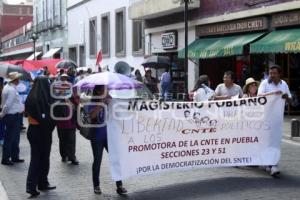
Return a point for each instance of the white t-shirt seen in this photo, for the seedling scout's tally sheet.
(234, 91)
(203, 94)
(266, 87)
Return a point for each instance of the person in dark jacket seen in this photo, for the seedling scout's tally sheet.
(39, 134)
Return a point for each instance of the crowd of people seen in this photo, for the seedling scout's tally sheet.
(38, 111)
(272, 85)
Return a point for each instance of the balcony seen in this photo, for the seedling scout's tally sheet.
(147, 9)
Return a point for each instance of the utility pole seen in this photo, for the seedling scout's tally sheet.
(186, 9)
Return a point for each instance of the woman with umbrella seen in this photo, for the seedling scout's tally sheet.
(150, 81)
(99, 135)
(101, 83)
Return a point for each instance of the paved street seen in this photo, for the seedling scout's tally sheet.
(75, 182)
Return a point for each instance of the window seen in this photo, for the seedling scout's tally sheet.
(82, 56)
(105, 34)
(120, 32)
(73, 54)
(93, 37)
(137, 38)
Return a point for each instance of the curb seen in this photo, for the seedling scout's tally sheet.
(3, 195)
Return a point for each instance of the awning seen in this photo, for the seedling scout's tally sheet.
(218, 47)
(31, 57)
(280, 41)
(51, 52)
(16, 52)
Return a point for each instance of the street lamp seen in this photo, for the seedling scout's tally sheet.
(34, 37)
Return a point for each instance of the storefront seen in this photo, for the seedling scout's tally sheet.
(247, 47)
(167, 43)
(284, 45)
(225, 46)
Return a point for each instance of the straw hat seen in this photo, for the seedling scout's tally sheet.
(249, 81)
(13, 76)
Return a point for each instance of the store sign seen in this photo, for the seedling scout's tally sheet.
(253, 24)
(169, 40)
(286, 19)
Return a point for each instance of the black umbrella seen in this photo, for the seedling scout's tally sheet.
(66, 64)
(6, 68)
(157, 62)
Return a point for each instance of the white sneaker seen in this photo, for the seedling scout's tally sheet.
(274, 171)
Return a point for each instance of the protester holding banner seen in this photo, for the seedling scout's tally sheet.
(202, 90)
(97, 111)
(228, 89)
(250, 88)
(277, 86)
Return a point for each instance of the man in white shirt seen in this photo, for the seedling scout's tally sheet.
(274, 85)
(12, 110)
(228, 89)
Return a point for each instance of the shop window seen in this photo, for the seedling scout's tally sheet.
(290, 64)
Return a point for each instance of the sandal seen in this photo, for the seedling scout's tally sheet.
(121, 190)
(97, 190)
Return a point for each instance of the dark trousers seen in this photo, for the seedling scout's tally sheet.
(12, 123)
(97, 147)
(40, 139)
(2, 129)
(67, 143)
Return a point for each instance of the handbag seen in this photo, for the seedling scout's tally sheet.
(84, 130)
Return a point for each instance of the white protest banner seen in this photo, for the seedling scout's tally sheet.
(148, 137)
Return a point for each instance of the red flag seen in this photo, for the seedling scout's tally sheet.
(99, 58)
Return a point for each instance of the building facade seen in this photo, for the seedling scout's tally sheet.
(13, 19)
(95, 25)
(217, 27)
(17, 45)
(50, 26)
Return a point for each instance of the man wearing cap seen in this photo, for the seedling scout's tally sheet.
(274, 85)
(12, 110)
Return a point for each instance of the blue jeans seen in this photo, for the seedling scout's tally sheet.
(13, 125)
(97, 147)
(165, 87)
